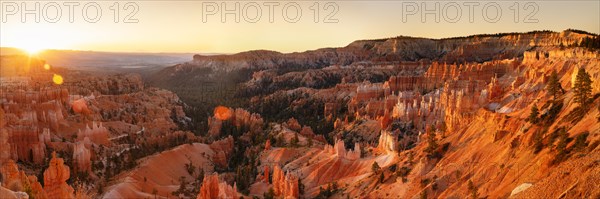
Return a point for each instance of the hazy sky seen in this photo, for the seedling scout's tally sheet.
(188, 26)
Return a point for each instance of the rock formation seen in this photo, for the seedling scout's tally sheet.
(285, 185)
(55, 178)
(19, 181)
(387, 142)
(266, 174)
(268, 145)
(98, 134)
(223, 149)
(213, 188)
(339, 150)
(82, 156)
(27, 144)
(307, 132)
(4, 136)
(293, 124)
(238, 117)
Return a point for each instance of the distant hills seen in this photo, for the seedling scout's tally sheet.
(102, 60)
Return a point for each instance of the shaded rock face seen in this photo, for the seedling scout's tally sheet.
(5, 149)
(26, 144)
(285, 185)
(213, 188)
(55, 178)
(27, 117)
(98, 134)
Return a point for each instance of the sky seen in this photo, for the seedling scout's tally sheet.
(286, 26)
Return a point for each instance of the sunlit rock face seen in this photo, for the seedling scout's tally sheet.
(17, 181)
(213, 188)
(285, 185)
(55, 178)
(339, 150)
(12, 177)
(420, 109)
(387, 142)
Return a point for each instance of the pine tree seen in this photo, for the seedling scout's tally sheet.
(424, 194)
(432, 144)
(561, 147)
(473, 190)
(553, 85)
(375, 167)
(533, 116)
(582, 88)
(295, 140)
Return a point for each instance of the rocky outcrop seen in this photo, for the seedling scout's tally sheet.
(252, 121)
(285, 185)
(82, 156)
(421, 110)
(18, 181)
(27, 144)
(266, 174)
(55, 178)
(307, 132)
(32, 97)
(98, 134)
(5, 153)
(461, 99)
(11, 176)
(293, 124)
(387, 142)
(368, 91)
(213, 188)
(223, 149)
(339, 150)
(151, 108)
(238, 117)
(268, 145)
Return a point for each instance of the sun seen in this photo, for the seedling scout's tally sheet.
(33, 46)
(32, 49)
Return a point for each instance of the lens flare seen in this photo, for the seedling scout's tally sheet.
(47, 66)
(57, 79)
